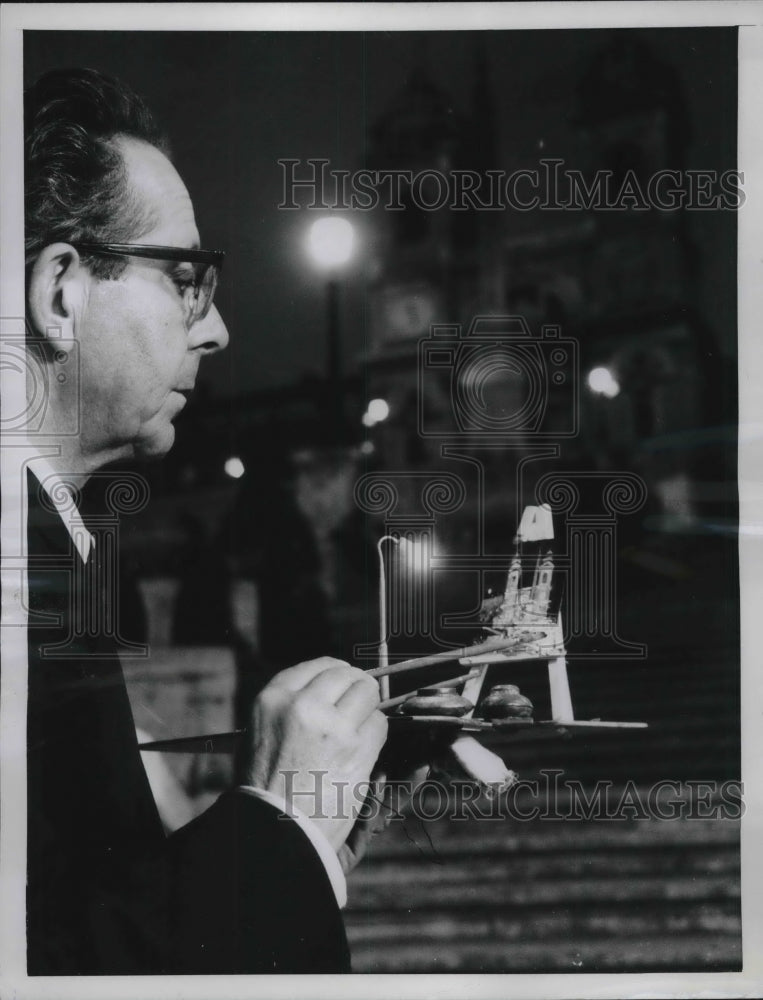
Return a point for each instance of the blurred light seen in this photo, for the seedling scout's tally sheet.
(378, 410)
(413, 552)
(417, 553)
(367, 448)
(601, 381)
(331, 241)
(234, 467)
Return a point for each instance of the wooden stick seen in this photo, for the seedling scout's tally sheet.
(225, 742)
(399, 699)
(489, 646)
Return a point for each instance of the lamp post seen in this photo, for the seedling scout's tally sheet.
(331, 241)
(383, 647)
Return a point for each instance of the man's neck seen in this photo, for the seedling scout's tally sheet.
(69, 454)
(62, 455)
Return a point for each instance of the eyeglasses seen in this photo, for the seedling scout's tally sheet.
(196, 281)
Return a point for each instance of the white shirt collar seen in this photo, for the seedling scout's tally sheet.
(63, 499)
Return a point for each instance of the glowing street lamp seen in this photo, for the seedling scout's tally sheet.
(331, 242)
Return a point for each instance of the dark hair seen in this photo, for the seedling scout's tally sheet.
(75, 183)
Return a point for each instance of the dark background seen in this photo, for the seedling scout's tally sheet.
(234, 103)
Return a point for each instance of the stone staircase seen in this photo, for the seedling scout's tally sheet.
(548, 896)
(587, 895)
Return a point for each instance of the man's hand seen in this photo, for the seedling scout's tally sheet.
(316, 734)
(383, 804)
(374, 819)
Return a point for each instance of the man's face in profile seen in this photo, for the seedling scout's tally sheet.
(139, 358)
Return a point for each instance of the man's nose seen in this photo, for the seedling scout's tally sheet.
(209, 334)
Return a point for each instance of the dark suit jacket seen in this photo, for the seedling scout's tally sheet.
(239, 890)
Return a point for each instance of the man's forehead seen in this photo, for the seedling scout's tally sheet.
(158, 185)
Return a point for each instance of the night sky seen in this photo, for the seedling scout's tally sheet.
(234, 103)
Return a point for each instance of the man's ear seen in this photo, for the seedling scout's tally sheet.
(57, 291)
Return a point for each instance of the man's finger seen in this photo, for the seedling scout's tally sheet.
(297, 677)
(331, 684)
(374, 730)
(359, 700)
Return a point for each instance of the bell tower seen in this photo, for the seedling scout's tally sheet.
(641, 271)
(435, 264)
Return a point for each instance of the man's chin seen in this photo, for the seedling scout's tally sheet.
(154, 446)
